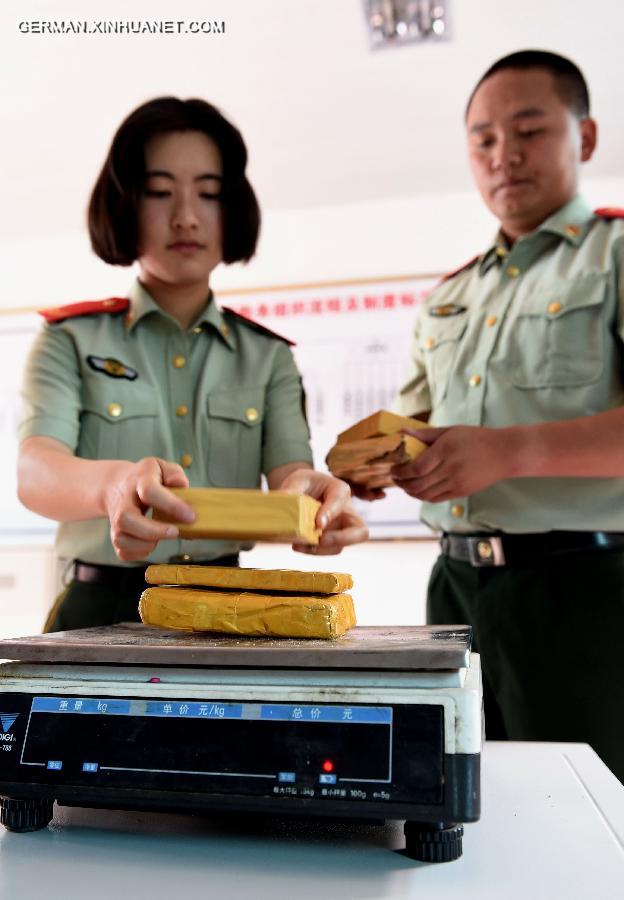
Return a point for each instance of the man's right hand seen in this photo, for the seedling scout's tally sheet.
(142, 486)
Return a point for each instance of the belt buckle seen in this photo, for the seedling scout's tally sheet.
(486, 551)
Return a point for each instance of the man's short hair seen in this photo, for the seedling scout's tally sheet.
(569, 80)
(113, 208)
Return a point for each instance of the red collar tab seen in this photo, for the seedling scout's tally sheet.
(257, 326)
(84, 308)
(609, 212)
(461, 269)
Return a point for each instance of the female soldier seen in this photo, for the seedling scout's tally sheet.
(127, 397)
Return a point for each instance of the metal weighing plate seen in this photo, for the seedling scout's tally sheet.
(403, 648)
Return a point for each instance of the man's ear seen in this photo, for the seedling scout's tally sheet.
(589, 138)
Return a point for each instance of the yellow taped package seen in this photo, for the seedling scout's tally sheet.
(378, 424)
(369, 461)
(250, 579)
(249, 515)
(308, 616)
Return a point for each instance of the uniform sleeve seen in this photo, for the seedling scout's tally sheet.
(51, 389)
(618, 263)
(414, 397)
(286, 436)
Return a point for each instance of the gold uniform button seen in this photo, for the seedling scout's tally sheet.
(185, 557)
(198, 329)
(185, 460)
(457, 510)
(179, 362)
(251, 414)
(513, 271)
(430, 343)
(572, 230)
(181, 410)
(114, 409)
(555, 307)
(225, 330)
(491, 321)
(475, 380)
(501, 252)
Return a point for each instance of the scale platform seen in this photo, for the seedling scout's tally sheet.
(383, 723)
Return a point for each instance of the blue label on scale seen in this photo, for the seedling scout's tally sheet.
(174, 710)
(377, 715)
(81, 705)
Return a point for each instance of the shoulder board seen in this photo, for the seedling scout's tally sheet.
(257, 326)
(84, 308)
(609, 213)
(461, 269)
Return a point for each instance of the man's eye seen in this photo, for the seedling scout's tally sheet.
(531, 133)
(484, 143)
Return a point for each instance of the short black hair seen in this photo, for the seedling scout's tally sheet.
(112, 215)
(569, 80)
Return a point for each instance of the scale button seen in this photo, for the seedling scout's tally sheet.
(286, 776)
(90, 767)
(327, 779)
(55, 764)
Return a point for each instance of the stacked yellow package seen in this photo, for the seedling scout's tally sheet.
(365, 453)
(269, 602)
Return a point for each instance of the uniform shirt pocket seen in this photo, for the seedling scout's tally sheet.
(558, 335)
(118, 420)
(439, 344)
(235, 419)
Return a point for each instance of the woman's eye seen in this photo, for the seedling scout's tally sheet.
(152, 193)
(207, 196)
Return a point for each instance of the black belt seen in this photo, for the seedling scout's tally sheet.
(121, 577)
(509, 549)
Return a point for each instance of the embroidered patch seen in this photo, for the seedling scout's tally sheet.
(112, 367)
(448, 309)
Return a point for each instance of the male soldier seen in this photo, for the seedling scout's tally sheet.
(519, 359)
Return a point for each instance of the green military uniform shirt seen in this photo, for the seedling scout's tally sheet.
(224, 399)
(525, 335)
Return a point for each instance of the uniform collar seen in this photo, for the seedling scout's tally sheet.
(570, 222)
(142, 304)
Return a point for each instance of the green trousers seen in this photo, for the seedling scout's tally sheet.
(87, 605)
(551, 639)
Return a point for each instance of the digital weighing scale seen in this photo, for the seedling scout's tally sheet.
(383, 723)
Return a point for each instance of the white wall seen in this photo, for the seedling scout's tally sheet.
(411, 235)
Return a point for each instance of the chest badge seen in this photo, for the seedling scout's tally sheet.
(447, 309)
(112, 367)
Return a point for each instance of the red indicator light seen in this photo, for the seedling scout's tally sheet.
(328, 766)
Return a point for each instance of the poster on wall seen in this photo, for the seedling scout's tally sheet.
(352, 348)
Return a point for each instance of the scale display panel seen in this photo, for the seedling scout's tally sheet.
(254, 748)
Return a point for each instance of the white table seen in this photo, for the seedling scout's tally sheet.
(552, 828)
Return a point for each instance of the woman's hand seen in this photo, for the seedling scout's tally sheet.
(339, 522)
(142, 486)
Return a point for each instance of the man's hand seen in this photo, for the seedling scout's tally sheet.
(340, 523)
(459, 461)
(142, 486)
(365, 493)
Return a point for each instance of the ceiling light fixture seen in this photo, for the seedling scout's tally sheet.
(397, 22)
